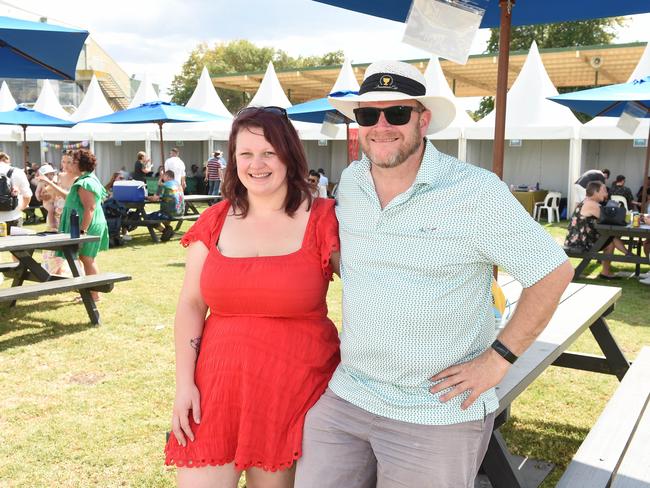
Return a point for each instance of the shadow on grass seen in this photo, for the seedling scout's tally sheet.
(549, 441)
(19, 318)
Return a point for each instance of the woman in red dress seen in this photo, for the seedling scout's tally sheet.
(260, 262)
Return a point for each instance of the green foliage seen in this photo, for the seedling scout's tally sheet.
(485, 107)
(238, 57)
(562, 34)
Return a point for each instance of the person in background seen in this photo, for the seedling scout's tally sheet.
(16, 193)
(175, 163)
(172, 204)
(639, 197)
(45, 193)
(142, 170)
(582, 233)
(619, 188)
(317, 190)
(85, 196)
(213, 173)
(581, 183)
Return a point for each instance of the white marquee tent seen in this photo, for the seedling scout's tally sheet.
(450, 140)
(543, 136)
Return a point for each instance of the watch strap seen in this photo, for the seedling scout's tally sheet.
(504, 352)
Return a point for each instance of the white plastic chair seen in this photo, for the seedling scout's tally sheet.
(620, 199)
(552, 206)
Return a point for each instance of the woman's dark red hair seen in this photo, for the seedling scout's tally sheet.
(281, 134)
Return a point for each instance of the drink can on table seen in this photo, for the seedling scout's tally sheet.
(3, 229)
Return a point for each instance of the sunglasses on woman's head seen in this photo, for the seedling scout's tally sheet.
(271, 110)
(395, 115)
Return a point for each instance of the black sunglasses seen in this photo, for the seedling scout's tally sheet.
(395, 115)
(270, 109)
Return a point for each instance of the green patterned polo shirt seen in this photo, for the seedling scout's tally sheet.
(416, 283)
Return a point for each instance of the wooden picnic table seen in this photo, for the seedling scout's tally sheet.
(137, 217)
(29, 269)
(582, 307)
(634, 237)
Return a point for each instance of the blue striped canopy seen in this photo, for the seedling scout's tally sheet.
(38, 50)
(315, 111)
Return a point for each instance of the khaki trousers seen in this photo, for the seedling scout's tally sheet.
(345, 446)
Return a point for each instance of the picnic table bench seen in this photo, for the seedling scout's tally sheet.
(634, 237)
(581, 307)
(616, 452)
(28, 269)
(138, 217)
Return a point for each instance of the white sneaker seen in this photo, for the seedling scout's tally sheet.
(645, 281)
(127, 237)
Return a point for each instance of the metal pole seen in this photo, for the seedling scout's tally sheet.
(502, 87)
(25, 149)
(644, 192)
(162, 149)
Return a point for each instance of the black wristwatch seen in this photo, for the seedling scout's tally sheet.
(82, 232)
(504, 352)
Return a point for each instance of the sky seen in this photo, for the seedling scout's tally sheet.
(157, 38)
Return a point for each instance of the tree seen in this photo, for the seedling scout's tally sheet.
(237, 57)
(562, 34)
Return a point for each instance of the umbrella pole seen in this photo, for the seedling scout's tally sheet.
(347, 142)
(502, 87)
(644, 192)
(25, 149)
(162, 149)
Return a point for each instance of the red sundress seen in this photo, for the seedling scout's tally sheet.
(268, 349)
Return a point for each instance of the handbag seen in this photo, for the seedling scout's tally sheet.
(612, 215)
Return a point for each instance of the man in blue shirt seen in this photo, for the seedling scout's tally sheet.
(412, 402)
(172, 204)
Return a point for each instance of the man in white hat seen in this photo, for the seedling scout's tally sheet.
(412, 402)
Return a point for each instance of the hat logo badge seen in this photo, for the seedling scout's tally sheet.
(386, 81)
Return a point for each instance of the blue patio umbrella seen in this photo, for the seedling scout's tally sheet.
(315, 111)
(26, 117)
(503, 14)
(38, 50)
(318, 110)
(158, 113)
(611, 101)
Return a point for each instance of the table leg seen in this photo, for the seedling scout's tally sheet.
(70, 254)
(585, 262)
(91, 308)
(615, 358)
(498, 464)
(190, 209)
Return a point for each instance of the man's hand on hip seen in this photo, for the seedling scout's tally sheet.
(476, 376)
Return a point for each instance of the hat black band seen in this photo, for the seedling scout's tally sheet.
(394, 83)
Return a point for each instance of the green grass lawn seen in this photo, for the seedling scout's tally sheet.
(89, 406)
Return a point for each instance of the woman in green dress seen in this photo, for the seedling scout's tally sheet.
(85, 196)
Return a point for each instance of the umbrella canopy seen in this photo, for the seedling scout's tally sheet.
(504, 14)
(38, 50)
(26, 117)
(158, 113)
(611, 101)
(315, 110)
(526, 12)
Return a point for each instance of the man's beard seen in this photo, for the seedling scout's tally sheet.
(406, 149)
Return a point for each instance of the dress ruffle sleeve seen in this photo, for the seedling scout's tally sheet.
(327, 233)
(206, 228)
